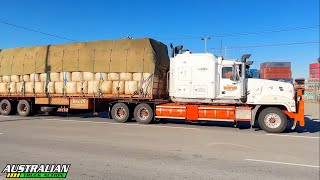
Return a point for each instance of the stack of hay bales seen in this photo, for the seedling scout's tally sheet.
(22, 84)
(99, 68)
(79, 83)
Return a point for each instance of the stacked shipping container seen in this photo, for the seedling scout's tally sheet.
(314, 71)
(312, 90)
(278, 71)
(255, 73)
(312, 85)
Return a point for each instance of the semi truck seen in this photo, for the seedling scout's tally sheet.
(136, 79)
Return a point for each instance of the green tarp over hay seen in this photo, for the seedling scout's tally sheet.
(128, 55)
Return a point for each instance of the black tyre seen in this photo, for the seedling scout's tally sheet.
(143, 113)
(23, 108)
(272, 120)
(5, 107)
(120, 112)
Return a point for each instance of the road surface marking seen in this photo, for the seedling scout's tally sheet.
(141, 125)
(1, 133)
(231, 144)
(310, 137)
(284, 163)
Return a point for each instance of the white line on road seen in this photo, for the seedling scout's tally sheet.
(309, 137)
(284, 163)
(231, 144)
(140, 125)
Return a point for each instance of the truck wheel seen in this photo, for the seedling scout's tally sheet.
(143, 113)
(120, 112)
(272, 120)
(5, 107)
(23, 108)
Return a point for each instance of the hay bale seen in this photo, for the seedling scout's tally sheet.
(25, 78)
(34, 77)
(130, 87)
(58, 87)
(125, 76)
(76, 76)
(15, 78)
(39, 88)
(140, 76)
(54, 77)
(5, 78)
(93, 87)
(82, 87)
(43, 77)
(113, 76)
(19, 87)
(65, 76)
(51, 88)
(71, 88)
(106, 87)
(3, 88)
(101, 76)
(88, 76)
(118, 87)
(29, 87)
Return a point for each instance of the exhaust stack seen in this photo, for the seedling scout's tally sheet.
(243, 78)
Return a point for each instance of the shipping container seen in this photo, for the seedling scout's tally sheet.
(315, 65)
(254, 73)
(277, 70)
(284, 75)
(275, 64)
(314, 76)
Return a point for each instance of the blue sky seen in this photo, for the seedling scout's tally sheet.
(171, 21)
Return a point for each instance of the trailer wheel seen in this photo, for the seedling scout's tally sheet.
(23, 108)
(120, 112)
(143, 113)
(272, 120)
(5, 107)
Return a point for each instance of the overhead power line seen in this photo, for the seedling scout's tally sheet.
(246, 33)
(36, 31)
(268, 45)
(270, 31)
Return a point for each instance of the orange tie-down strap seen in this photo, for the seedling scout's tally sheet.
(299, 115)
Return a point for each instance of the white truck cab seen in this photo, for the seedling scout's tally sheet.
(203, 86)
(205, 77)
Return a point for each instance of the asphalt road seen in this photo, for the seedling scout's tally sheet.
(98, 148)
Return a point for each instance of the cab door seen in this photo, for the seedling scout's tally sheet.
(229, 89)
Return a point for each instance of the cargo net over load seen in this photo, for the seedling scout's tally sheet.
(117, 68)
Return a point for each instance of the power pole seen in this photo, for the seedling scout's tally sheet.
(205, 38)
